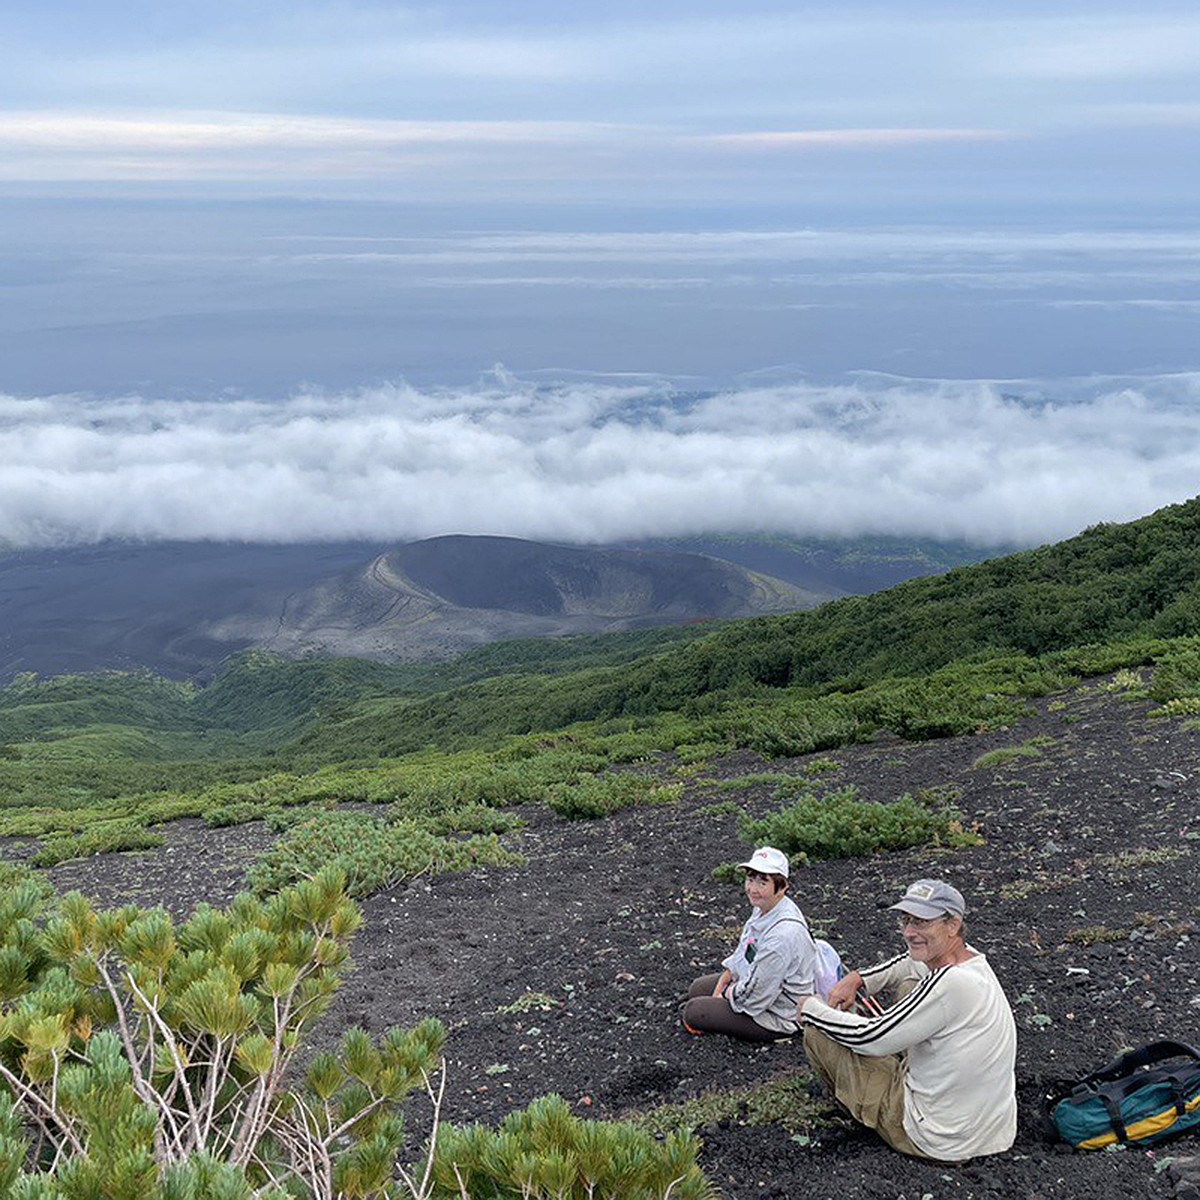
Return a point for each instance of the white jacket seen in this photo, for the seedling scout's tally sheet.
(772, 967)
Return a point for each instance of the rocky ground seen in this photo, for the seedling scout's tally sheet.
(565, 975)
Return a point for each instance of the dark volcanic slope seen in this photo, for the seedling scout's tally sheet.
(120, 606)
(436, 598)
(1082, 895)
(182, 607)
(541, 580)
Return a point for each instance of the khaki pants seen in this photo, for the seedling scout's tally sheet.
(871, 1090)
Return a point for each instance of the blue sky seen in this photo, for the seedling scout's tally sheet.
(227, 227)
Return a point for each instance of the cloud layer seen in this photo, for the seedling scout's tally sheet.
(991, 462)
(354, 97)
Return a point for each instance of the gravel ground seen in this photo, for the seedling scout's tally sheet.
(1083, 896)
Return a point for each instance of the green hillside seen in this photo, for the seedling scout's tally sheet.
(930, 657)
(1111, 583)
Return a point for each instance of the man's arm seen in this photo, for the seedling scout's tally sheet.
(918, 1016)
(841, 995)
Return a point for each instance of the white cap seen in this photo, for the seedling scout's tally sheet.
(769, 861)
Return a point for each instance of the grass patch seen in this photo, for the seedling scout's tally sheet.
(784, 1102)
(1094, 935)
(528, 1001)
(1006, 754)
(1125, 681)
(1119, 867)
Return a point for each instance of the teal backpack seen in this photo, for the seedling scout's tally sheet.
(1143, 1097)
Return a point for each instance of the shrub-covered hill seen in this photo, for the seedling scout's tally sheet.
(926, 657)
(1071, 818)
(1111, 583)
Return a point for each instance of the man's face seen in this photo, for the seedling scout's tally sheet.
(930, 941)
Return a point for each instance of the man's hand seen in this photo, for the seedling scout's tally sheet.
(841, 995)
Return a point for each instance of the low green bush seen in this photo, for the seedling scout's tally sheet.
(236, 814)
(700, 752)
(839, 825)
(101, 837)
(600, 795)
(475, 818)
(370, 854)
(795, 731)
(545, 1152)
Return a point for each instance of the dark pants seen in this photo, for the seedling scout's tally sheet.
(705, 1013)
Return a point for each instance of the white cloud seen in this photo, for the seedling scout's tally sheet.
(255, 130)
(598, 461)
(785, 139)
(1164, 305)
(940, 247)
(1099, 48)
(65, 145)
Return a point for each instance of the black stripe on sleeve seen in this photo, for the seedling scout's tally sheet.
(878, 1027)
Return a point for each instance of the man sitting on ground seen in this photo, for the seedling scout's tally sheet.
(952, 1096)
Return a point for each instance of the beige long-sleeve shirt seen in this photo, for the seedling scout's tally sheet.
(958, 1028)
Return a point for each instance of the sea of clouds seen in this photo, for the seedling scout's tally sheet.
(597, 460)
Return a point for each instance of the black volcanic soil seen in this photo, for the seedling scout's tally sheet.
(1093, 839)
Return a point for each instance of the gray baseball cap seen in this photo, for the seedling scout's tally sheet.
(929, 898)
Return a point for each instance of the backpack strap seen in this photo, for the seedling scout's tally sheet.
(1113, 1104)
(1133, 1060)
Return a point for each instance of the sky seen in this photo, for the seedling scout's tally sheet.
(327, 270)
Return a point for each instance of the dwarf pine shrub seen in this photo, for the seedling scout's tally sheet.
(145, 1060)
(599, 795)
(237, 814)
(789, 732)
(545, 1152)
(98, 838)
(839, 825)
(370, 854)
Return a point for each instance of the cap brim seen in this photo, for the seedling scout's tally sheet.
(915, 908)
(753, 866)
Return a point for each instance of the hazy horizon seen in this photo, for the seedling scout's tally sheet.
(345, 269)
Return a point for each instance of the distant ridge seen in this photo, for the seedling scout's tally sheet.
(437, 598)
(181, 608)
